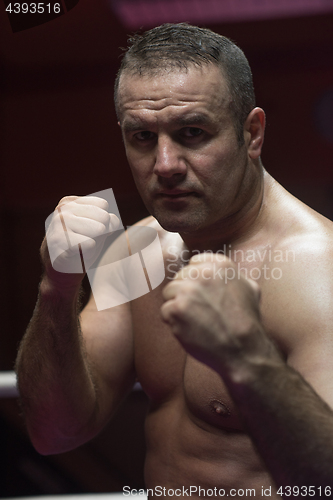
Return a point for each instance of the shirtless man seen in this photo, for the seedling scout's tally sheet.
(240, 399)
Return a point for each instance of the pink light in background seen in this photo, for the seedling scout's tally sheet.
(137, 13)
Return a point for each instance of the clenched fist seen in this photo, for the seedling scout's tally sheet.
(216, 317)
(76, 234)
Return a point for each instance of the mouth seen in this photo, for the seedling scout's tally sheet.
(175, 194)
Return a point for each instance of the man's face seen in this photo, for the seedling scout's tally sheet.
(182, 147)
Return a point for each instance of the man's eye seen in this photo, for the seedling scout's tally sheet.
(144, 136)
(192, 132)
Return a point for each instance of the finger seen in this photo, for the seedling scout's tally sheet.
(92, 228)
(86, 211)
(194, 271)
(84, 231)
(205, 257)
(170, 291)
(168, 313)
(93, 200)
(66, 199)
(114, 222)
(183, 274)
(165, 312)
(83, 200)
(80, 228)
(111, 221)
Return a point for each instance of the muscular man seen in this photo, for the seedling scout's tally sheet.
(239, 397)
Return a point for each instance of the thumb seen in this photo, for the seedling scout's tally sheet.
(113, 223)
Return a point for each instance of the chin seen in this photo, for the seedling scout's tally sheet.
(173, 224)
(184, 217)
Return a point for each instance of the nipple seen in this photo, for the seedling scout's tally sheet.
(220, 408)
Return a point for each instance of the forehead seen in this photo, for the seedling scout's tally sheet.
(175, 92)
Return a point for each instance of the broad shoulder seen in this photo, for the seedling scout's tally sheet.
(296, 234)
(297, 297)
(299, 282)
(301, 234)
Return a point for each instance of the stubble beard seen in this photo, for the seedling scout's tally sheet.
(185, 222)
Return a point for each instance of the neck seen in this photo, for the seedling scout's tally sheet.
(234, 229)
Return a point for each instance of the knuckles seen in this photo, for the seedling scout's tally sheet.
(210, 281)
(209, 257)
(180, 307)
(89, 216)
(65, 200)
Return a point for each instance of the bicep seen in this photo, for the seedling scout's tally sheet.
(106, 322)
(108, 342)
(314, 361)
(303, 314)
(311, 342)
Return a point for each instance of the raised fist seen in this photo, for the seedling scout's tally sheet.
(76, 231)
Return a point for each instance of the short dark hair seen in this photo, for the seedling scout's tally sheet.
(179, 45)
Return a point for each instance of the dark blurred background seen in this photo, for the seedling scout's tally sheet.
(59, 136)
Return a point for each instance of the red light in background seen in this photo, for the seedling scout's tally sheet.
(135, 14)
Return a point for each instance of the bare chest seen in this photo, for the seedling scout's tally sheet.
(166, 371)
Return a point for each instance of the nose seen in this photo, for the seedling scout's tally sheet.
(168, 160)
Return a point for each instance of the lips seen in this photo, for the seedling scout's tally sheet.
(175, 193)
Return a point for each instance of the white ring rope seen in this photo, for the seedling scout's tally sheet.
(83, 496)
(8, 388)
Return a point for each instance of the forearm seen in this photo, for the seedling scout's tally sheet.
(291, 426)
(54, 379)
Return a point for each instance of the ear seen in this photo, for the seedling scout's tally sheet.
(254, 130)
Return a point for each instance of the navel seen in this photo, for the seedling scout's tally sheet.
(219, 408)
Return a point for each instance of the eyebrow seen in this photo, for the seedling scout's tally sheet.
(134, 125)
(194, 119)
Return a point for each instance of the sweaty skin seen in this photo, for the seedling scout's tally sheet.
(194, 432)
(208, 193)
(195, 179)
